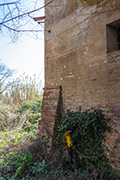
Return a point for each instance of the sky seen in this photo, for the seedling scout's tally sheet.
(26, 55)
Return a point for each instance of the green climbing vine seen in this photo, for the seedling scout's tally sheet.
(88, 139)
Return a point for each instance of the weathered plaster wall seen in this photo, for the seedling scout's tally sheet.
(76, 57)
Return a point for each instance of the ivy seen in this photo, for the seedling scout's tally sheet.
(88, 137)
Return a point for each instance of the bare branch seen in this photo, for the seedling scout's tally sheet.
(6, 4)
(5, 74)
(23, 30)
(27, 13)
(16, 18)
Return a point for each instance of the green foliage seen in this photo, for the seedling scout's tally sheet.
(88, 139)
(21, 130)
(25, 157)
(20, 113)
(9, 117)
(17, 126)
(33, 106)
(15, 116)
(22, 166)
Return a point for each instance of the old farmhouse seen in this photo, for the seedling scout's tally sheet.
(82, 60)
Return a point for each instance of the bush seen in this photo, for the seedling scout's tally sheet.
(24, 157)
(34, 105)
(19, 134)
(21, 166)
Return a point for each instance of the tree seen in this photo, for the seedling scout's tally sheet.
(16, 17)
(5, 76)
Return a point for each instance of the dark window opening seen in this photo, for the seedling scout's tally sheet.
(113, 36)
(119, 38)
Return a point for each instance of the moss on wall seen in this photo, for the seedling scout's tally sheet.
(72, 6)
(89, 2)
(113, 6)
(102, 3)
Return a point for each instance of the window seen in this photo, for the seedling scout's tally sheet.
(113, 36)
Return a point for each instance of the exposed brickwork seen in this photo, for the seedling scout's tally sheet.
(50, 110)
(76, 57)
